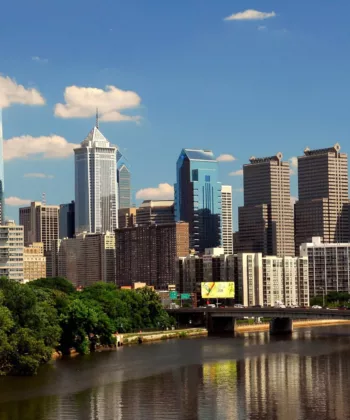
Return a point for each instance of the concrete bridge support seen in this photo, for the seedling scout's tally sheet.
(221, 325)
(279, 326)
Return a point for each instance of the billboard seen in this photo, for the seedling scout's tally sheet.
(223, 289)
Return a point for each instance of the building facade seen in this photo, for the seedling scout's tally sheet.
(34, 262)
(322, 208)
(266, 222)
(198, 197)
(96, 192)
(226, 209)
(67, 220)
(329, 266)
(155, 212)
(124, 186)
(148, 254)
(11, 251)
(86, 259)
(41, 224)
(126, 217)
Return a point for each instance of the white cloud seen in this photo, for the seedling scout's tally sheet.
(37, 175)
(45, 146)
(40, 59)
(162, 192)
(251, 14)
(81, 102)
(13, 93)
(293, 162)
(16, 201)
(226, 158)
(236, 173)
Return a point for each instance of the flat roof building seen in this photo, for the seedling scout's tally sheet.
(34, 262)
(155, 212)
(11, 251)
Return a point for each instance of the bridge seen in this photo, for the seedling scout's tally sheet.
(223, 320)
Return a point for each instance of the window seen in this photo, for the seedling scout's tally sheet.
(195, 175)
(207, 178)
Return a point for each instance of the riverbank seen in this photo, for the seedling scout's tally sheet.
(133, 338)
(296, 324)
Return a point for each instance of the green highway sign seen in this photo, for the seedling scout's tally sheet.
(173, 295)
(185, 296)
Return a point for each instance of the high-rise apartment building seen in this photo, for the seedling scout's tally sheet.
(96, 193)
(2, 178)
(322, 208)
(124, 181)
(198, 197)
(155, 212)
(148, 254)
(217, 266)
(86, 259)
(34, 262)
(41, 224)
(226, 218)
(11, 251)
(329, 266)
(266, 219)
(67, 220)
(126, 217)
(189, 273)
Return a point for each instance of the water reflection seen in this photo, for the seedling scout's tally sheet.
(249, 377)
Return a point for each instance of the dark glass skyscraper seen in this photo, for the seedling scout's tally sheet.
(67, 222)
(198, 197)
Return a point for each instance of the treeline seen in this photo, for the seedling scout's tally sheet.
(49, 315)
(332, 299)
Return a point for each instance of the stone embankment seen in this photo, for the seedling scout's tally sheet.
(163, 335)
(296, 324)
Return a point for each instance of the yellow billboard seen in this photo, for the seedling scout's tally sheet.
(221, 289)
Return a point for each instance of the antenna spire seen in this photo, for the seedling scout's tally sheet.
(96, 117)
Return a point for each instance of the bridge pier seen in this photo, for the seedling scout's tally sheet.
(221, 325)
(279, 326)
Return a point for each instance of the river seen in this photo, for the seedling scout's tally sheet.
(252, 376)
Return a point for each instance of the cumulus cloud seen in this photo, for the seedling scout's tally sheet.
(40, 59)
(16, 201)
(81, 102)
(236, 173)
(162, 192)
(226, 158)
(251, 14)
(49, 147)
(293, 162)
(13, 93)
(37, 175)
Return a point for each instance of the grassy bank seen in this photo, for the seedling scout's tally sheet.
(133, 338)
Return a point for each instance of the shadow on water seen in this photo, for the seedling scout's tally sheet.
(252, 376)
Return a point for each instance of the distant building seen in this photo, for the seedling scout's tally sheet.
(86, 259)
(147, 254)
(266, 220)
(124, 182)
(198, 197)
(11, 251)
(34, 262)
(217, 266)
(322, 208)
(96, 192)
(155, 212)
(264, 280)
(189, 273)
(226, 208)
(126, 217)
(41, 224)
(67, 220)
(329, 266)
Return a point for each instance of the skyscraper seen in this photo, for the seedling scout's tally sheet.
(155, 212)
(124, 181)
(226, 207)
(198, 197)
(96, 194)
(2, 180)
(41, 224)
(266, 219)
(322, 209)
(67, 220)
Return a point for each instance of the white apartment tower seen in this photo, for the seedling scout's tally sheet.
(226, 218)
(11, 251)
(96, 192)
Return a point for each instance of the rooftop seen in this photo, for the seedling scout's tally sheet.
(199, 154)
(157, 203)
(95, 139)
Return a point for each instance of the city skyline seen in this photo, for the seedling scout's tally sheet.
(244, 65)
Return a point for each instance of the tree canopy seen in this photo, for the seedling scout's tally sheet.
(45, 315)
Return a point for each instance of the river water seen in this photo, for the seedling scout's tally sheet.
(252, 376)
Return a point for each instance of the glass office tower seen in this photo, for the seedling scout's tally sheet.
(124, 181)
(96, 193)
(198, 197)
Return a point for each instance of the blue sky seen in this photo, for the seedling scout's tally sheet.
(241, 87)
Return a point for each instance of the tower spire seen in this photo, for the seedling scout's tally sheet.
(96, 117)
